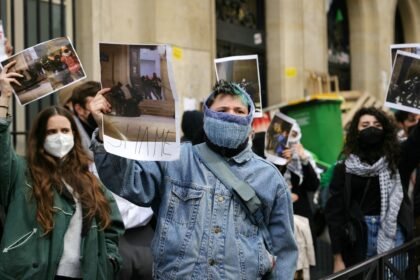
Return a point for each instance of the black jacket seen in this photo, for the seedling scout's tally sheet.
(336, 210)
(310, 183)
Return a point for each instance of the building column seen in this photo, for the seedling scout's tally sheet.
(371, 34)
(410, 19)
(296, 44)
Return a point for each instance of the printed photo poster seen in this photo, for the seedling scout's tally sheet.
(261, 124)
(46, 68)
(244, 71)
(144, 117)
(277, 138)
(404, 87)
(411, 48)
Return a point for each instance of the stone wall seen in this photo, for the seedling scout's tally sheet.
(296, 39)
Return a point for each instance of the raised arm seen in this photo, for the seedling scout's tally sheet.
(6, 78)
(8, 158)
(136, 181)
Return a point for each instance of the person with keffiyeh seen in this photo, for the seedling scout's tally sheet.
(369, 185)
(300, 174)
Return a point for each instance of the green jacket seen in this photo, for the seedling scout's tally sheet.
(25, 253)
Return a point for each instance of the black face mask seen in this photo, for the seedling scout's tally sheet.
(371, 136)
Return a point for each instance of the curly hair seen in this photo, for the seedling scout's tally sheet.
(47, 173)
(390, 144)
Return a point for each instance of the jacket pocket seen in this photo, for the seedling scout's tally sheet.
(267, 261)
(184, 204)
(243, 224)
(20, 241)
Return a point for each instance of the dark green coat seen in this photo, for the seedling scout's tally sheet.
(25, 253)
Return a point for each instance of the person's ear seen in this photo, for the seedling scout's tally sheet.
(78, 109)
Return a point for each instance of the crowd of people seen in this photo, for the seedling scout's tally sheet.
(125, 99)
(221, 211)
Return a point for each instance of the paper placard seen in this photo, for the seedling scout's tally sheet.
(46, 68)
(244, 71)
(143, 122)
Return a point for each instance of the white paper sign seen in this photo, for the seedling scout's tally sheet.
(3, 54)
(244, 71)
(143, 123)
(277, 138)
(190, 104)
(46, 68)
(404, 86)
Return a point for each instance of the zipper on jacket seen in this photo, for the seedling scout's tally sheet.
(64, 212)
(16, 244)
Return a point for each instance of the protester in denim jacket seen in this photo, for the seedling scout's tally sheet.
(202, 231)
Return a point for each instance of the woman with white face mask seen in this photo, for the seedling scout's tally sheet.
(61, 223)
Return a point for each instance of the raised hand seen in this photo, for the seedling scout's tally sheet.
(287, 154)
(6, 89)
(99, 105)
(6, 78)
(338, 263)
(301, 152)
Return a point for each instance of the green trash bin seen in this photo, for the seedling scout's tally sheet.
(319, 117)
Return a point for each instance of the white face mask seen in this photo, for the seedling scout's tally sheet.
(59, 144)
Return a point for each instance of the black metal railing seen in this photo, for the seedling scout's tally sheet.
(397, 264)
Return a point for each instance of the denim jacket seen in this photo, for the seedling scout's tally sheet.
(202, 232)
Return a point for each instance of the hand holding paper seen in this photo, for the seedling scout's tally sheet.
(98, 106)
(301, 151)
(276, 146)
(44, 68)
(287, 154)
(138, 119)
(6, 78)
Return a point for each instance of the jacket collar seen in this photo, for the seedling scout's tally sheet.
(243, 156)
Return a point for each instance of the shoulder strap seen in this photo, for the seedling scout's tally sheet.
(240, 189)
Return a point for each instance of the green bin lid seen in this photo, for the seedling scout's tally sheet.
(314, 98)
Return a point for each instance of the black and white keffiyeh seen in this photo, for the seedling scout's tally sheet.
(391, 196)
(295, 163)
(295, 166)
